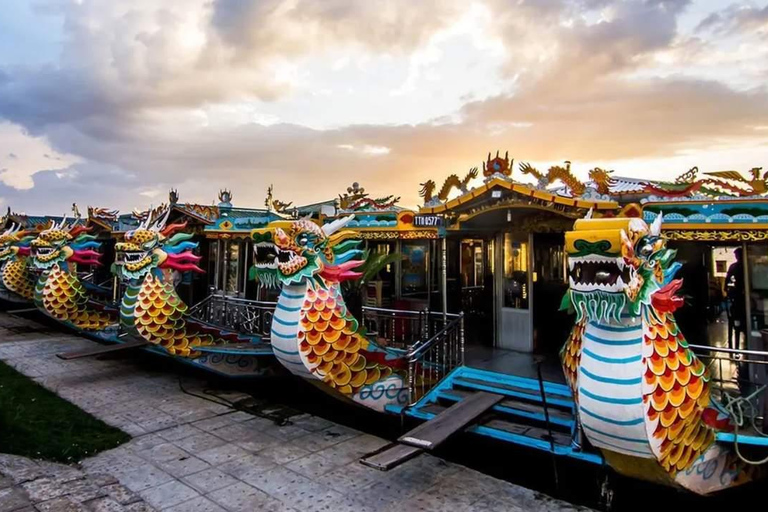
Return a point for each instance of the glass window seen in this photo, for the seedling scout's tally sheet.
(233, 260)
(757, 258)
(515, 277)
(213, 262)
(414, 269)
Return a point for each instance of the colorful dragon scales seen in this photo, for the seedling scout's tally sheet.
(642, 395)
(313, 333)
(151, 309)
(59, 293)
(16, 282)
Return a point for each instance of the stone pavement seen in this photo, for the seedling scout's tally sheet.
(191, 455)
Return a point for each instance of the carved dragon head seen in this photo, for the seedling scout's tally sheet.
(293, 252)
(62, 243)
(14, 241)
(154, 246)
(427, 189)
(618, 266)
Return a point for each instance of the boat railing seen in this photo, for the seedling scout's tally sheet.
(432, 359)
(236, 314)
(738, 381)
(402, 329)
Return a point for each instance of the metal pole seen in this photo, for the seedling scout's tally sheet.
(444, 278)
(748, 309)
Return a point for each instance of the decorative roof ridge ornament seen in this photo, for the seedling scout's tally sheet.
(757, 184)
(498, 168)
(356, 199)
(173, 196)
(451, 182)
(277, 206)
(103, 214)
(555, 173)
(225, 198)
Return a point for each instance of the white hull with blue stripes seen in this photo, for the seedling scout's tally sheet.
(610, 398)
(285, 329)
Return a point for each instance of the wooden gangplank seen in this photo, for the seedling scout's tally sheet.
(434, 432)
(393, 455)
(102, 350)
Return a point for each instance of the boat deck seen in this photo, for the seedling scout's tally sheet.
(510, 362)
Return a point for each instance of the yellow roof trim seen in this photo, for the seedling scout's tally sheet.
(520, 189)
(713, 227)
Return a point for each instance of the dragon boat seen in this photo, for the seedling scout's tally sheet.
(620, 387)
(17, 283)
(150, 260)
(151, 310)
(582, 319)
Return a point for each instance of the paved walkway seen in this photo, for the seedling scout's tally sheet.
(191, 455)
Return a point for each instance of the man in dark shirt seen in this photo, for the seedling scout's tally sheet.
(734, 284)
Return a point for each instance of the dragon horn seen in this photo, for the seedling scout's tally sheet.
(589, 214)
(336, 225)
(656, 226)
(160, 224)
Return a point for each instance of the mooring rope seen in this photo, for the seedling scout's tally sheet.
(740, 408)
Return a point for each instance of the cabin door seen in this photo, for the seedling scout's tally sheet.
(513, 291)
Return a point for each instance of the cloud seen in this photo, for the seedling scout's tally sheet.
(737, 18)
(25, 156)
(200, 95)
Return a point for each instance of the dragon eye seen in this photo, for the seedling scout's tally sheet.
(302, 240)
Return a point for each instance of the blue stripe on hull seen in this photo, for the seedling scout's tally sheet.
(611, 400)
(613, 436)
(635, 421)
(603, 341)
(610, 380)
(611, 360)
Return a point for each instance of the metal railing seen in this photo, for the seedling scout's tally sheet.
(432, 343)
(402, 329)
(236, 314)
(737, 380)
(431, 360)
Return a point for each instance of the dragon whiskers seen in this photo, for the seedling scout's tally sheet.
(598, 305)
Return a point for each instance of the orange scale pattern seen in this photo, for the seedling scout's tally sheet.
(65, 298)
(331, 344)
(675, 394)
(17, 278)
(570, 355)
(159, 314)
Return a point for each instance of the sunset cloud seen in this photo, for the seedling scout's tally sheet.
(135, 98)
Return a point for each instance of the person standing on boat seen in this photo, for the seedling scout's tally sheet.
(734, 282)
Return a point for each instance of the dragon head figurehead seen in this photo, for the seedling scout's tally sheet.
(153, 246)
(293, 252)
(14, 242)
(618, 265)
(62, 243)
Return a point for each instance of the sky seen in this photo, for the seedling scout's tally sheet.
(111, 104)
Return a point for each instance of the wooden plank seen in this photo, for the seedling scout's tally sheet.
(102, 350)
(512, 427)
(431, 434)
(523, 393)
(392, 456)
(532, 432)
(519, 405)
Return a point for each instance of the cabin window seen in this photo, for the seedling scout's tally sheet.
(414, 269)
(757, 257)
(515, 277)
(231, 268)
